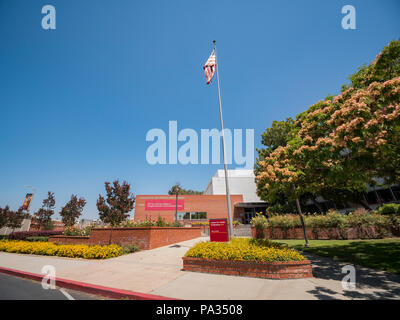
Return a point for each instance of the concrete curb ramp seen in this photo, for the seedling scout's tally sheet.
(86, 287)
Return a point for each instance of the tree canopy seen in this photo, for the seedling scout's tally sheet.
(43, 215)
(119, 201)
(12, 219)
(72, 210)
(177, 189)
(341, 142)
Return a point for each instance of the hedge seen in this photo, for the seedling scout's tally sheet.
(333, 219)
(35, 239)
(390, 209)
(383, 225)
(242, 249)
(22, 235)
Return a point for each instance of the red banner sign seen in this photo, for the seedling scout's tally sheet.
(163, 204)
(218, 230)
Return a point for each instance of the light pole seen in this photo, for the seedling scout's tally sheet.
(228, 195)
(177, 190)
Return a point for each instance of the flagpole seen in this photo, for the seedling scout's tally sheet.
(228, 196)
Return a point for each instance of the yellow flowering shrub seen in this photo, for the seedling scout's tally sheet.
(68, 250)
(243, 249)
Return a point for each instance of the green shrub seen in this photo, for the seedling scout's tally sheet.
(244, 249)
(161, 222)
(200, 224)
(130, 248)
(390, 209)
(73, 231)
(334, 219)
(315, 221)
(285, 222)
(236, 223)
(364, 221)
(174, 224)
(368, 224)
(260, 223)
(34, 239)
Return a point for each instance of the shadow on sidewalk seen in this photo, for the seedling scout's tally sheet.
(380, 284)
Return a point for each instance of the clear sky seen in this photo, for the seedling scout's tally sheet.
(76, 102)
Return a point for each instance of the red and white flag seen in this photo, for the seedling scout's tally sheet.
(209, 67)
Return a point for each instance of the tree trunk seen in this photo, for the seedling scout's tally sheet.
(109, 242)
(176, 207)
(301, 218)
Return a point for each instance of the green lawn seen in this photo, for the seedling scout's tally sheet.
(381, 254)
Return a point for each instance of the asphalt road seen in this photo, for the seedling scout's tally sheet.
(14, 288)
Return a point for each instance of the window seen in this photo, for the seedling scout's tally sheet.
(180, 215)
(396, 191)
(192, 215)
(371, 197)
(385, 195)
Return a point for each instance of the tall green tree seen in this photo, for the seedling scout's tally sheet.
(72, 210)
(342, 142)
(274, 137)
(4, 212)
(43, 215)
(15, 218)
(118, 203)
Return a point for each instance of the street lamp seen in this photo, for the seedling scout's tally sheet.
(176, 189)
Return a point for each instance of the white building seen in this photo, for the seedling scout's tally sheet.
(240, 182)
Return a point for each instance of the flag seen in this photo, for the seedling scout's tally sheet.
(209, 67)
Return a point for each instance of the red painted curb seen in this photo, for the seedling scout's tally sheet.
(86, 287)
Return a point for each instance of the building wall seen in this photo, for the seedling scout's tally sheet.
(145, 238)
(214, 205)
(240, 182)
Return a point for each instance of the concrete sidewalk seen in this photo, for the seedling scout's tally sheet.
(158, 272)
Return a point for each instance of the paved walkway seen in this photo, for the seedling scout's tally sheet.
(158, 271)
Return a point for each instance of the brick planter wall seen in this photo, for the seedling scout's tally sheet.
(268, 270)
(145, 238)
(321, 234)
(69, 239)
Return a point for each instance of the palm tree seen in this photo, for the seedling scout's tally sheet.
(176, 189)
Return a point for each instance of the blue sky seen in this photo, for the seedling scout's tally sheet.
(76, 102)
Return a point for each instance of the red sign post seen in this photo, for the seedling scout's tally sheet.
(218, 230)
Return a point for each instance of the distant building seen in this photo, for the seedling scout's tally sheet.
(374, 197)
(83, 223)
(210, 205)
(191, 208)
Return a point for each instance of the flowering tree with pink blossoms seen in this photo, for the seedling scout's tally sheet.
(342, 142)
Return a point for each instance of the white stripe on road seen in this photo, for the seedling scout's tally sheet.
(65, 293)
